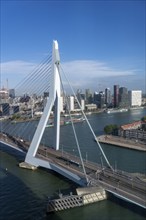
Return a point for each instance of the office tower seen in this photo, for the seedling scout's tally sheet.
(83, 104)
(81, 99)
(107, 96)
(12, 93)
(5, 109)
(116, 96)
(71, 103)
(15, 109)
(123, 97)
(135, 98)
(88, 96)
(61, 104)
(99, 99)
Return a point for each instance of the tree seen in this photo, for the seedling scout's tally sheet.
(143, 119)
(16, 116)
(111, 129)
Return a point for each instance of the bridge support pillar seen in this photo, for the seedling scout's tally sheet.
(53, 99)
(27, 166)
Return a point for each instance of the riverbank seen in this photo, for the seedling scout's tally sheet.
(122, 142)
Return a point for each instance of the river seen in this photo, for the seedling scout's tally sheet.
(23, 193)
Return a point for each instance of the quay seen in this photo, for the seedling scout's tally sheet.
(122, 142)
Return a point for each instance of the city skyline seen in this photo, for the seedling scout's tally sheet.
(101, 43)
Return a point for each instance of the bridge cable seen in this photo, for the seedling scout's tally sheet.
(74, 131)
(88, 122)
(31, 80)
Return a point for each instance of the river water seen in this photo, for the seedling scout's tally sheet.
(23, 193)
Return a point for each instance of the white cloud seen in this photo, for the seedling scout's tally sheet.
(15, 71)
(78, 69)
(17, 67)
(90, 73)
(92, 69)
(81, 73)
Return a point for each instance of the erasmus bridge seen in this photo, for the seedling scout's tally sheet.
(79, 170)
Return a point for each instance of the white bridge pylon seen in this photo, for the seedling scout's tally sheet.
(53, 99)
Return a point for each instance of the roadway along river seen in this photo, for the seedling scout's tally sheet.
(23, 193)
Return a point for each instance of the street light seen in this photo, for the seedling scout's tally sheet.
(101, 162)
(115, 166)
(86, 157)
(62, 152)
(118, 183)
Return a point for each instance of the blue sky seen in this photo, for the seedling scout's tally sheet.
(101, 42)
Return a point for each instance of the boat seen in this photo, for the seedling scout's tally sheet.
(67, 122)
(49, 125)
(116, 110)
(137, 108)
(88, 113)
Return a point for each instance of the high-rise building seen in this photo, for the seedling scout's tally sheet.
(95, 98)
(12, 93)
(88, 96)
(61, 104)
(81, 100)
(116, 96)
(71, 103)
(123, 97)
(135, 98)
(15, 109)
(107, 96)
(6, 109)
(99, 99)
(83, 104)
(80, 95)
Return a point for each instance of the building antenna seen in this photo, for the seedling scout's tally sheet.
(7, 85)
